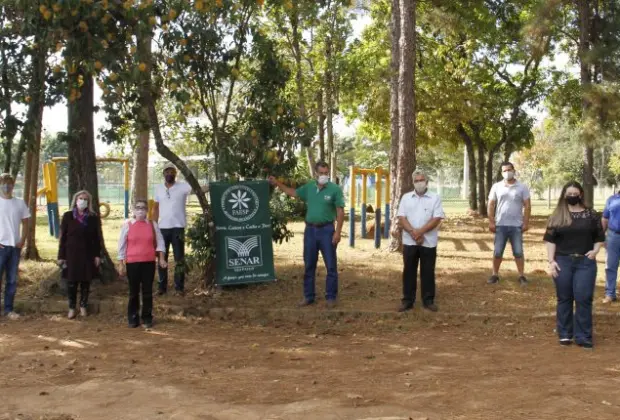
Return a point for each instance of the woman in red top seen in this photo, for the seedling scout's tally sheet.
(139, 245)
(80, 249)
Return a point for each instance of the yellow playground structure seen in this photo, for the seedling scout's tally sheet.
(379, 173)
(50, 190)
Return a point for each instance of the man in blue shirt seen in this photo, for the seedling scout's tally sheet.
(611, 223)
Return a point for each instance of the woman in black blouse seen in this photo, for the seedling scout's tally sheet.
(574, 237)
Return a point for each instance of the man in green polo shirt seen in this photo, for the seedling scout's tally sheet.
(325, 203)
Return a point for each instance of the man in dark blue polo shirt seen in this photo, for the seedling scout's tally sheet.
(325, 203)
(611, 223)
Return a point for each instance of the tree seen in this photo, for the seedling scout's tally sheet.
(590, 34)
(405, 162)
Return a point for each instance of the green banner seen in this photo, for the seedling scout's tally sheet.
(244, 251)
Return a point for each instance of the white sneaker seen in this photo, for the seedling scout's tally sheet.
(83, 312)
(13, 316)
(71, 314)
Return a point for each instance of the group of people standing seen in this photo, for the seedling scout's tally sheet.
(574, 236)
(143, 246)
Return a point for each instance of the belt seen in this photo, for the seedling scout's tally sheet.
(573, 256)
(319, 225)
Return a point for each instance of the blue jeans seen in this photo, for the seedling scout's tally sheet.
(9, 261)
(575, 283)
(176, 238)
(611, 268)
(320, 239)
(503, 234)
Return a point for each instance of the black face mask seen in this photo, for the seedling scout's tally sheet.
(170, 179)
(573, 200)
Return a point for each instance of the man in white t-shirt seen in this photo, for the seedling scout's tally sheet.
(170, 213)
(420, 212)
(509, 216)
(13, 213)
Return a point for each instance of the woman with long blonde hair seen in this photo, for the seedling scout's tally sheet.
(574, 237)
(80, 249)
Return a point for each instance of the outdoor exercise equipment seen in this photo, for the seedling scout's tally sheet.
(50, 190)
(379, 174)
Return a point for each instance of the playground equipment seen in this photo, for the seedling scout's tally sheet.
(50, 190)
(379, 174)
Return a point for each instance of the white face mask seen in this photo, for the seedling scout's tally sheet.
(82, 204)
(5, 190)
(420, 186)
(139, 214)
(508, 175)
(323, 179)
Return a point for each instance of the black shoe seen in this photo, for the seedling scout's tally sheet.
(494, 279)
(404, 307)
(330, 304)
(148, 325)
(523, 281)
(133, 325)
(566, 341)
(305, 302)
(586, 345)
(431, 307)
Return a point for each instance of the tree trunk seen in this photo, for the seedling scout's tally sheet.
(140, 170)
(19, 156)
(299, 79)
(10, 121)
(489, 166)
(311, 161)
(585, 23)
(83, 161)
(320, 110)
(395, 237)
(473, 179)
(329, 104)
(406, 103)
(32, 137)
(482, 202)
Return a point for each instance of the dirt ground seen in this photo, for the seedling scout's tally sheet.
(53, 368)
(490, 353)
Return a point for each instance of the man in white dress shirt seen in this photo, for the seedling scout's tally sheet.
(420, 214)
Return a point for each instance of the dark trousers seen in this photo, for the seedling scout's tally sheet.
(176, 238)
(426, 258)
(72, 290)
(9, 263)
(140, 277)
(319, 239)
(575, 283)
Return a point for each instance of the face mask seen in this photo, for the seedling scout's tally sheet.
(139, 214)
(323, 179)
(170, 179)
(573, 200)
(420, 187)
(509, 175)
(82, 204)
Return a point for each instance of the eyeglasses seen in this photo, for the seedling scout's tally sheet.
(167, 193)
(140, 208)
